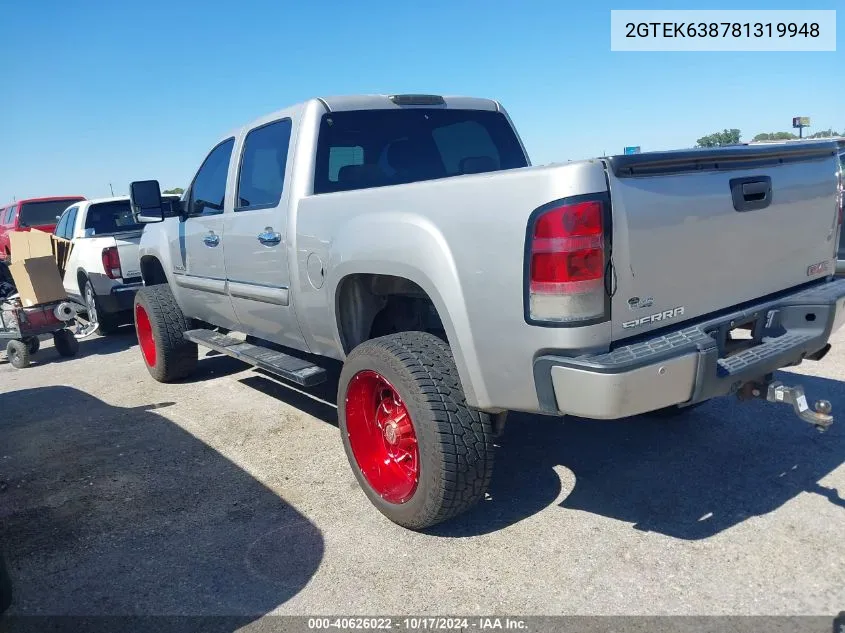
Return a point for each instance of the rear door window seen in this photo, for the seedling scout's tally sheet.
(71, 223)
(62, 224)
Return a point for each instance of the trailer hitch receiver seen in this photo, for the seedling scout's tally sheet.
(779, 393)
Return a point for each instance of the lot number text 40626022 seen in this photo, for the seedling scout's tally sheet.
(418, 624)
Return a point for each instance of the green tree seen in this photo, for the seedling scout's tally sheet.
(775, 136)
(178, 190)
(718, 139)
(824, 134)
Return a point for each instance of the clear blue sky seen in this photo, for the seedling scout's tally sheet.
(100, 92)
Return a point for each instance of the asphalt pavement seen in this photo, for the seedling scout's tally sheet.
(230, 494)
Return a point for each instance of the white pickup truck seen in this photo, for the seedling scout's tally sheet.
(101, 269)
(409, 237)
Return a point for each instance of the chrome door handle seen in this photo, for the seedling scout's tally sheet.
(268, 237)
(211, 240)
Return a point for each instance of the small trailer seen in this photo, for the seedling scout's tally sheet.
(21, 328)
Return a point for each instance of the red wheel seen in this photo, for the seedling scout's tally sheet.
(420, 454)
(160, 324)
(145, 335)
(382, 436)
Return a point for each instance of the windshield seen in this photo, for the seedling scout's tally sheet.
(44, 213)
(373, 148)
(111, 217)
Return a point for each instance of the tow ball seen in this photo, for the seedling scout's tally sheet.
(779, 393)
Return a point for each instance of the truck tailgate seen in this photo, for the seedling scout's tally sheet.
(127, 244)
(699, 231)
(127, 248)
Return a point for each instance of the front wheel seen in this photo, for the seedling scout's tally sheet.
(159, 324)
(420, 454)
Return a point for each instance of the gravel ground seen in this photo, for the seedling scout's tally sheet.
(231, 494)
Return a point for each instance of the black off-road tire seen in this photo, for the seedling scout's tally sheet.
(34, 345)
(176, 357)
(17, 353)
(455, 442)
(65, 343)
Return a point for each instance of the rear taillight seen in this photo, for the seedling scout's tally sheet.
(111, 262)
(567, 263)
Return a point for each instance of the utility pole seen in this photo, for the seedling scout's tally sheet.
(112, 190)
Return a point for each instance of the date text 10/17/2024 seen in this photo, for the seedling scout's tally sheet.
(419, 624)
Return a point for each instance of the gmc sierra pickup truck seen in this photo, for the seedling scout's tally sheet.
(409, 237)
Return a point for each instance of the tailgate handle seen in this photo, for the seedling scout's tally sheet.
(750, 194)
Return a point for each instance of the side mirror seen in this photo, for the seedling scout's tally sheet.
(145, 199)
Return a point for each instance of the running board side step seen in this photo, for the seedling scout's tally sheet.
(280, 364)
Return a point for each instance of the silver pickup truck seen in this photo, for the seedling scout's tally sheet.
(409, 237)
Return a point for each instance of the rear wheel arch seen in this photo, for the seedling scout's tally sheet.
(361, 303)
(81, 278)
(371, 305)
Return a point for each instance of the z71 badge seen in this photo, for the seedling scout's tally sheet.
(660, 316)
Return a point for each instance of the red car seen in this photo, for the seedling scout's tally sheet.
(37, 213)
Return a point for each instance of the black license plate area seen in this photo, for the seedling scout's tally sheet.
(739, 335)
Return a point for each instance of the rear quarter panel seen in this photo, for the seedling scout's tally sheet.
(462, 240)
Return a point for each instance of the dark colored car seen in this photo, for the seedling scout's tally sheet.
(32, 213)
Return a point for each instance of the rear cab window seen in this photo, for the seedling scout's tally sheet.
(43, 212)
(107, 218)
(360, 149)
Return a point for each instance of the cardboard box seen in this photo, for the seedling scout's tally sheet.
(29, 244)
(34, 268)
(37, 280)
